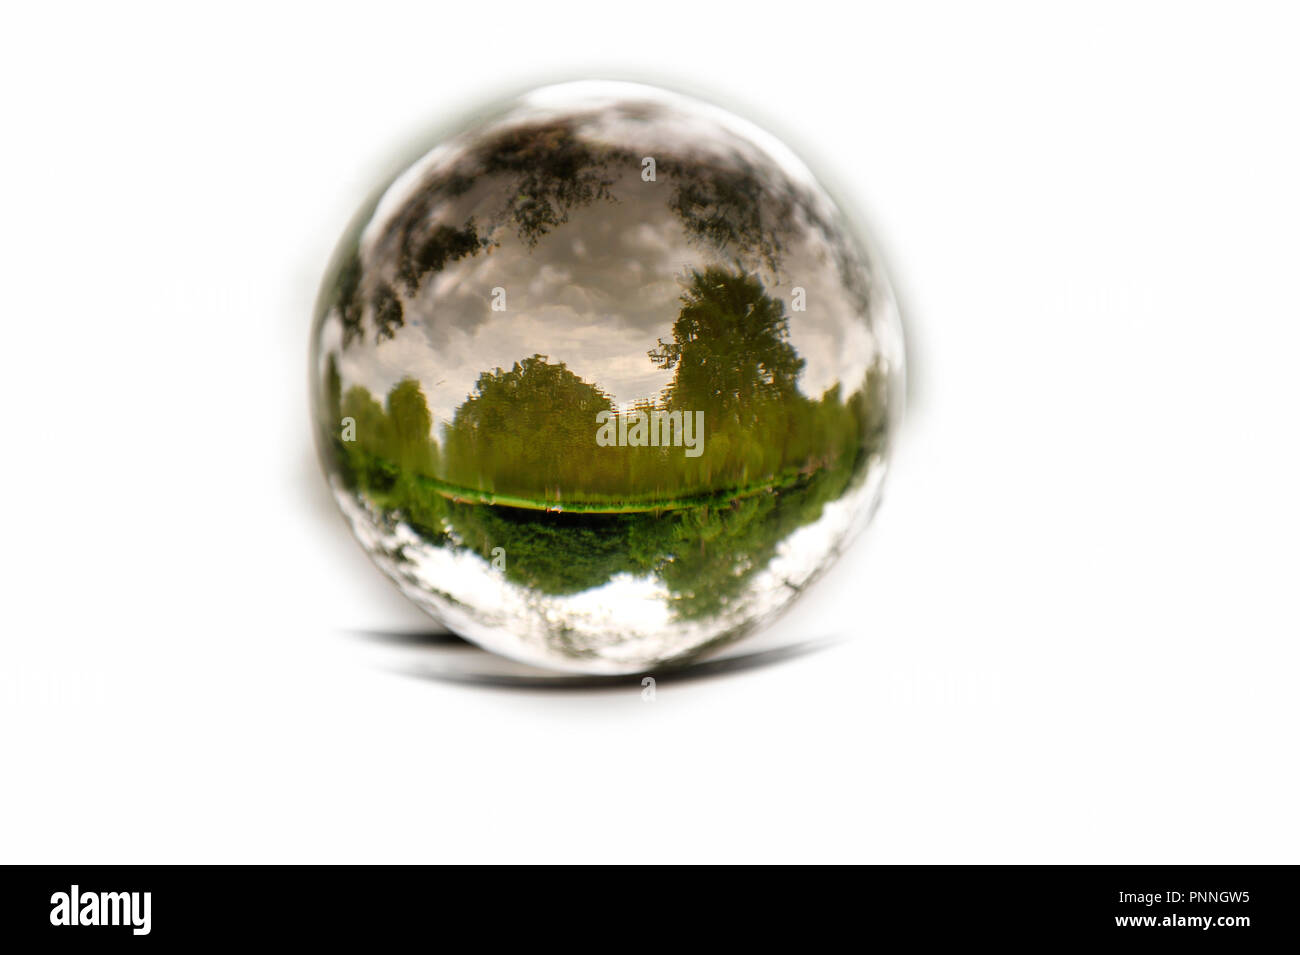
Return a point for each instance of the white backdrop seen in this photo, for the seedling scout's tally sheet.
(1073, 624)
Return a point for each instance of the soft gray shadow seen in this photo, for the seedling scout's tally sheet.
(443, 656)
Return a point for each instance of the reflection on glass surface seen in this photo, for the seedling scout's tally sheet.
(602, 382)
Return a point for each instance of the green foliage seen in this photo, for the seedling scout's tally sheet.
(526, 430)
(706, 552)
(731, 351)
(410, 424)
(519, 466)
(555, 554)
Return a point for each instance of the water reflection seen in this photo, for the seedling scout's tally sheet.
(528, 280)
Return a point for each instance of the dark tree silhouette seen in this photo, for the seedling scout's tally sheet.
(544, 172)
(554, 173)
(347, 296)
(424, 255)
(735, 211)
(333, 395)
(387, 310)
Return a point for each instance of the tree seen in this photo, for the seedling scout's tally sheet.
(411, 422)
(730, 349)
(529, 427)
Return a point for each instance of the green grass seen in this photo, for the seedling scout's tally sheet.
(588, 503)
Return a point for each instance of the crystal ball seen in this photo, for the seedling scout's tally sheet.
(603, 379)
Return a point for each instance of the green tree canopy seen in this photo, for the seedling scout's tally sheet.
(525, 424)
(730, 349)
(411, 422)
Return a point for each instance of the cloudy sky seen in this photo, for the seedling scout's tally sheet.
(596, 292)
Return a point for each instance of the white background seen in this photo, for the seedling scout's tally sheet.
(1073, 624)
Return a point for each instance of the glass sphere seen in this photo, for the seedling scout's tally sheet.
(604, 379)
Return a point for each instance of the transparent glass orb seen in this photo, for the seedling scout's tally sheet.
(603, 380)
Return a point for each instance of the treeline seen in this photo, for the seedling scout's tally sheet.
(519, 465)
(705, 552)
(530, 432)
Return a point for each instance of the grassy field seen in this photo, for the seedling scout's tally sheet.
(599, 504)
